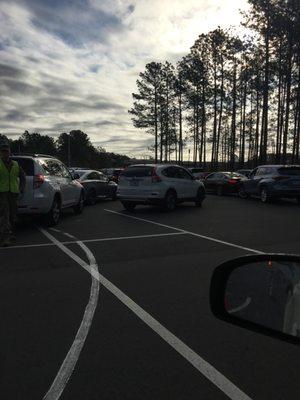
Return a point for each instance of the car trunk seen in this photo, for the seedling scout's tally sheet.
(136, 180)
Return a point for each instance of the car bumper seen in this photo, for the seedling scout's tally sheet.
(142, 200)
(37, 206)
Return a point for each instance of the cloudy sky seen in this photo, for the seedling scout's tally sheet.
(73, 64)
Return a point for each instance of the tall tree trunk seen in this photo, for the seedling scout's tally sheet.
(288, 102)
(233, 118)
(265, 119)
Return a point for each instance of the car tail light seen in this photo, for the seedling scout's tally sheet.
(155, 177)
(38, 180)
(233, 181)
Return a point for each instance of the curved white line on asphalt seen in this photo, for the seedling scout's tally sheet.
(241, 307)
(71, 358)
(206, 369)
(189, 232)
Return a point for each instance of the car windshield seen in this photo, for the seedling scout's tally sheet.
(234, 175)
(159, 139)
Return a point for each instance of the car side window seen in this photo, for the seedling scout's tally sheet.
(219, 176)
(169, 172)
(101, 177)
(182, 174)
(52, 168)
(65, 172)
(253, 173)
(262, 171)
(93, 176)
(211, 177)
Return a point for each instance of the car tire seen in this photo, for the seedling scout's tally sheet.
(220, 190)
(91, 197)
(53, 216)
(242, 192)
(265, 196)
(170, 201)
(128, 205)
(80, 205)
(199, 198)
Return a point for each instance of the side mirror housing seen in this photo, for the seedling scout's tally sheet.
(260, 293)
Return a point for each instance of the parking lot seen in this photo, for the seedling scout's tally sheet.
(114, 305)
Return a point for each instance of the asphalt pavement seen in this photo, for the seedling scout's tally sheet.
(114, 305)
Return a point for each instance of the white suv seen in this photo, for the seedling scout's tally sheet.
(49, 188)
(165, 185)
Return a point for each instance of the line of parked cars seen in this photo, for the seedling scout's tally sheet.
(268, 182)
(51, 187)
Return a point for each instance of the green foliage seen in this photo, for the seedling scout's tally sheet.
(75, 144)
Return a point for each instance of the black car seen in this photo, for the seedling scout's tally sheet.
(96, 185)
(272, 181)
(223, 182)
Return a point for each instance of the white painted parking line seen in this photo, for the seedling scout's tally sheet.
(187, 232)
(25, 246)
(55, 230)
(206, 369)
(241, 307)
(71, 358)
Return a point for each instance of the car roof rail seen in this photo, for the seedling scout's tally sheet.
(32, 155)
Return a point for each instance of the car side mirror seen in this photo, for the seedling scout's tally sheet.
(260, 293)
(75, 176)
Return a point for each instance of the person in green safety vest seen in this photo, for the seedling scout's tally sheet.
(12, 183)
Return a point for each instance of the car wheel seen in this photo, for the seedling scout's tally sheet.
(53, 216)
(220, 191)
(265, 195)
(79, 206)
(199, 198)
(91, 197)
(170, 201)
(128, 205)
(242, 192)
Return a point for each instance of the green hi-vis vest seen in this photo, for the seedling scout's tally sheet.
(9, 180)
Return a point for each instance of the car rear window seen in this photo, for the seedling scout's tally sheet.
(289, 171)
(233, 175)
(138, 172)
(26, 164)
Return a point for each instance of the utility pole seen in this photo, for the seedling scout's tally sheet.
(69, 149)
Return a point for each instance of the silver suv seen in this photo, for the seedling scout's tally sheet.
(49, 188)
(165, 185)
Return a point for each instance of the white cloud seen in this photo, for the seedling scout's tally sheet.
(84, 73)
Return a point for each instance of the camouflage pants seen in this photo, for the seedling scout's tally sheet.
(8, 213)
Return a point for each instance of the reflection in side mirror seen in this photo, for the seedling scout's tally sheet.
(260, 293)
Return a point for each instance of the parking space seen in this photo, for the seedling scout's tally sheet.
(163, 262)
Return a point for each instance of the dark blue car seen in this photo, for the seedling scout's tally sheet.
(270, 182)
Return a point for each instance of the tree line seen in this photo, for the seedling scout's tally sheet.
(233, 100)
(74, 149)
